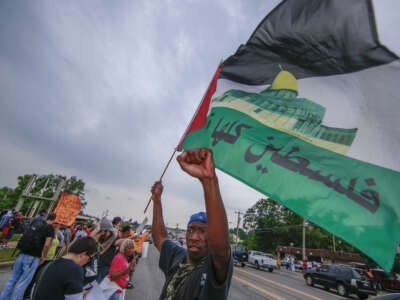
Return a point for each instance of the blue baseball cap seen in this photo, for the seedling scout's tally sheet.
(200, 216)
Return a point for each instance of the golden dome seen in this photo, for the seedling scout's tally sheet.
(285, 81)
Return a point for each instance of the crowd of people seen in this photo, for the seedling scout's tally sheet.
(64, 262)
(58, 262)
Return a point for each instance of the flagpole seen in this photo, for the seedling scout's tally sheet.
(184, 133)
(162, 175)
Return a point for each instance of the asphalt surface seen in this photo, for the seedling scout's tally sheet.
(247, 283)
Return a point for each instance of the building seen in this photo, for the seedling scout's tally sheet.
(320, 255)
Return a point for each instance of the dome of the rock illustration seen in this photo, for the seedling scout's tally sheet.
(285, 81)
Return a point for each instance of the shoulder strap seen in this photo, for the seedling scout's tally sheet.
(40, 279)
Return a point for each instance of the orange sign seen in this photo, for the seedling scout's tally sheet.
(67, 209)
(139, 240)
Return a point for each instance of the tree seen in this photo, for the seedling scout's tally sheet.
(271, 224)
(44, 186)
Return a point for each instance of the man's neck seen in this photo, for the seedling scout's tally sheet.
(190, 261)
(72, 256)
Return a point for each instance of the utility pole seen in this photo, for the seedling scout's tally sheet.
(305, 224)
(334, 243)
(237, 228)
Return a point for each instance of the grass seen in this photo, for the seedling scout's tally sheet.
(15, 237)
(5, 255)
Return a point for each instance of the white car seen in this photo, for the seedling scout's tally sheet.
(262, 260)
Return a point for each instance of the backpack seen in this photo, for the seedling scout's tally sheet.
(33, 236)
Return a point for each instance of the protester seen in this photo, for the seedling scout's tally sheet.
(14, 224)
(67, 236)
(61, 239)
(204, 270)
(86, 229)
(5, 223)
(80, 232)
(51, 253)
(117, 221)
(120, 268)
(63, 278)
(106, 235)
(3, 212)
(73, 230)
(125, 232)
(40, 216)
(33, 247)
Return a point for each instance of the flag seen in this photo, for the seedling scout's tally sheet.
(307, 112)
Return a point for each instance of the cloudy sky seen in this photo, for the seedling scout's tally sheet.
(103, 90)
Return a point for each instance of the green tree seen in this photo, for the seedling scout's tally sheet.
(271, 224)
(44, 186)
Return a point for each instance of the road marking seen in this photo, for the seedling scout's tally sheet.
(279, 284)
(258, 288)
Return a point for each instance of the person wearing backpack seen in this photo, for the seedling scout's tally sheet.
(107, 247)
(33, 247)
(63, 278)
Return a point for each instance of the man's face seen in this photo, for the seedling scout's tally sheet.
(196, 240)
(118, 225)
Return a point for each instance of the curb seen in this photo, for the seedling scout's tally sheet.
(6, 264)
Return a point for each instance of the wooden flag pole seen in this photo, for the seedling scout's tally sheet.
(184, 134)
(162, 175)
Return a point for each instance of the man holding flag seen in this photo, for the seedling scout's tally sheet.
(204, 270)
(307, 112)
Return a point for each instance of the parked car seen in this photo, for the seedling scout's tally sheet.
(240, 254)
(384, 281)
(344, 279)
(262, 260)
(299, 265)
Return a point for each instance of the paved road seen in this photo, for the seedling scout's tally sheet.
(247, 283)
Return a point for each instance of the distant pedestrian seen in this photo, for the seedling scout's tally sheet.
(292, 261)
(309, 265)
(279, 261)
